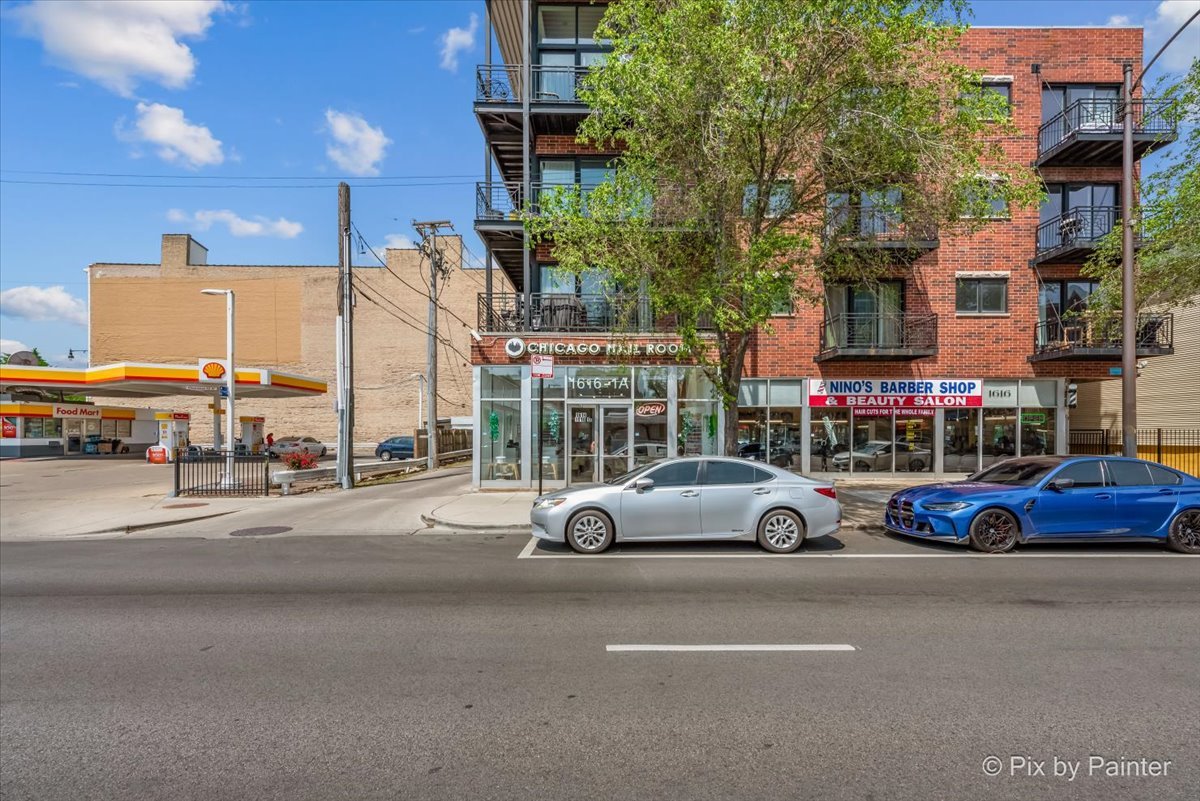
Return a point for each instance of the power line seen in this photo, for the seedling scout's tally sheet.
(233, 177)
(111, 184)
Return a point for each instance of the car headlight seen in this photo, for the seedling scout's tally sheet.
(549, 503)
(953, 506)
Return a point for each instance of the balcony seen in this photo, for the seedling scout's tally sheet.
(1088, 132)
(878, 336)
(861, 227)
(554, 106)
(1071, 238)
(619, 313)
(1091, 337)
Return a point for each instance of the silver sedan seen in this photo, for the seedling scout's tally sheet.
(701, 498)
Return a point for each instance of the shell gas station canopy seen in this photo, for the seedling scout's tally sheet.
(140, 380)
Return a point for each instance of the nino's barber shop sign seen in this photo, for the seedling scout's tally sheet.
(895, 393)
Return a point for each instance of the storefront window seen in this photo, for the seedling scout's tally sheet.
(650, 383)
(914, 441)
(697, 429)
(650, 415)
(553, 428)
(500, 435)
(752, 433)
(43, 427)
(999, 435)
(693, 384)
(500, 382)
(1039, 400)
(962, 441)
(599, 383)
(829, 433)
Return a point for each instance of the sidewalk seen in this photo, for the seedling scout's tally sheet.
(862, 502)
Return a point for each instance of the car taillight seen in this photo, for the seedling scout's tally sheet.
(828, 492)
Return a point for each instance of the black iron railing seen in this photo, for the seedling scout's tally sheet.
(880, 332)
(1103, 116)
(501, 201)
(501, 83)
(1090, 331)
(873, 224)
(220, 473)
(568, 312)
(1080, 226)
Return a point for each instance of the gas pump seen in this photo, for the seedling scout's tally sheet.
(252, 433)
(172, 435)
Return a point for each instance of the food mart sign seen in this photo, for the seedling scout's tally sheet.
(894, 393)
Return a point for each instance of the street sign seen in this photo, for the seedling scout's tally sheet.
(543, 366)
(224, 392)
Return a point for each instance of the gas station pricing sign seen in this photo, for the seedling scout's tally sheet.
(895, 393)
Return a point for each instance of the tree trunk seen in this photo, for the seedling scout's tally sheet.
(732, 349)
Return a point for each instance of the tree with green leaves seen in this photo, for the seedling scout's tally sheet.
(736, 120)
(1166, 216)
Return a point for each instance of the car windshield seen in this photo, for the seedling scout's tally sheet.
(632, 474)
(1015, 472)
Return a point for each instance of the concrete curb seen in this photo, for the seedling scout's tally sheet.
(148, 526)
(481, 528)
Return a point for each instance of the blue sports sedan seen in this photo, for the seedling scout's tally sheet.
(1055, 499)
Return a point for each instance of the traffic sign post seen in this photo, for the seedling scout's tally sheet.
(542, 367)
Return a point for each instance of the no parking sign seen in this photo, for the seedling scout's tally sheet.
(543, 366)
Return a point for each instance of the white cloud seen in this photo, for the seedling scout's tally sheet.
(398, 241)
(43, 303)
(1118, 20)
(12, 345)
(1168, 16)
(356, 147)
(118, 43)
(281, 228)
(177, 139)
(457, 40)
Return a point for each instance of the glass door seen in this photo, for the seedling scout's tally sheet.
(584, 442)
(73, 436)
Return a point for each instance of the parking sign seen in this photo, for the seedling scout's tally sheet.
(543, 366)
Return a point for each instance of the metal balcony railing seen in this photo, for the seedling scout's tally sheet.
(1081, 226)
(882, 332)
(501, 83)
(1103, 116)
(1074, 334)
(865, 224)
(569, 312)
(501, 201)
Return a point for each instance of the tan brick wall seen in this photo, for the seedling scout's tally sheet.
(286, 321)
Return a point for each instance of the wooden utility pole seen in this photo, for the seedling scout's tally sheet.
(437, 268)
(345, 345)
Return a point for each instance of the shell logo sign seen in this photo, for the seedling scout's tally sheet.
(213, 370)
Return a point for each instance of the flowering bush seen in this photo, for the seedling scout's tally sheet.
(299, 461)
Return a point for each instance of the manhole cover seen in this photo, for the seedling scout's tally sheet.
(185, 505)
(260, 531)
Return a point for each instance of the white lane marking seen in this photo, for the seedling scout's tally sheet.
(528, 553)
(733, 647)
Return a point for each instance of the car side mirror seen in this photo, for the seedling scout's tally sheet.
(1060, 484)
(643, 484)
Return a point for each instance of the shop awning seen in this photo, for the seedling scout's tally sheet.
(140, 380)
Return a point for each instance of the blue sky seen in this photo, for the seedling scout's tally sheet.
(213, 94)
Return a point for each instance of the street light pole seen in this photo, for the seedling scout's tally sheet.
(230, 382)
(1128, 302)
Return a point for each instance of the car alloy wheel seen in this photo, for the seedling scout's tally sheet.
(780, 531)
(1185, 532)
(994, 531)
(589, 532)
(863, 466)
(386, 456)
(916, 466)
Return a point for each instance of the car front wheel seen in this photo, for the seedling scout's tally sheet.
(589, 532)
(322, 452)
(1184, 535)
(781, 531)
(994, 531)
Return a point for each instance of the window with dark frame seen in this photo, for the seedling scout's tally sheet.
(981, 295)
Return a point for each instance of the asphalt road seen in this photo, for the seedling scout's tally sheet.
(444, 667)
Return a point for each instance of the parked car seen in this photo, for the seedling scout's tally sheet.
(877, 455)
(395, 448)
(1055, 498)
(286, 445)
(695, 498)
(781, 455)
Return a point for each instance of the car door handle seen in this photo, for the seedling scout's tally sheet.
(689, 494)
(1104, 496)
(1166, 492)
(763, 491)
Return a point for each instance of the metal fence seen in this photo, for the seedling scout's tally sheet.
(1174, 447)
(221, 473)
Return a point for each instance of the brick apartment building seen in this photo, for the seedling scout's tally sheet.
(993, 323)
(285, 321)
